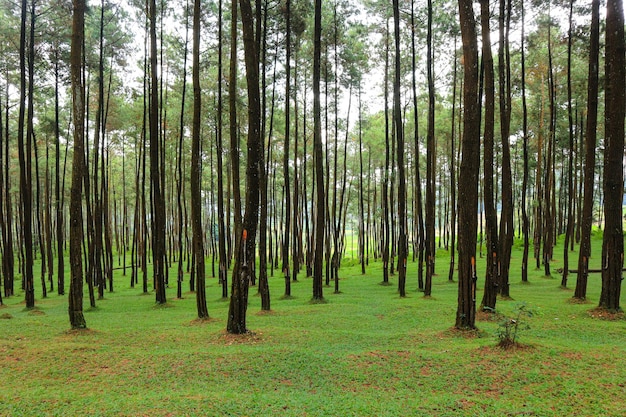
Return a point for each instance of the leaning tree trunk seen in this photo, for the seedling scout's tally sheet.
(613, 241)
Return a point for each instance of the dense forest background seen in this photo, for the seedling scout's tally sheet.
(206, 136)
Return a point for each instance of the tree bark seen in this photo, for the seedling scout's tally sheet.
(246, 242)
(613, 181)
(491, 219)
(318, 157)
(580, 291)
(158, 223)
(75, 308)
(430, 158)
(397, 109)
(196, 171)
(468, 173)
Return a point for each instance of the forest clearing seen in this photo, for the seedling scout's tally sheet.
(365, 352)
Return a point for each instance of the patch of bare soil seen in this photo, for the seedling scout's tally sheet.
(36, 312)
(201, 322)
(6, 316)
(248, 338)
(464, 333)
(575, 300)
(489, 316)
(80, 332)
(604, 314)
(513, 346)
(265, 313)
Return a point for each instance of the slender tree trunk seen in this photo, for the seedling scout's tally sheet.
(287, 192)
(453, 171)
(246, 242)
(158, 197)
(525, 221)
(613, 181)
(75, 308)
(386, 222)
(223, 257)
(416, 146)
(569, 232)
(234, 137)
(549, 211)
(590, 154)
(318, 157)
(8, 259)
(402, 217)
(491, 273)
(468, 174)
(25, 161)
(430, 159)
(196, 171)
(507, 229)
(264, 289)
(179, 183)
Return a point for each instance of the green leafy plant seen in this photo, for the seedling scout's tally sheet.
(509, 327)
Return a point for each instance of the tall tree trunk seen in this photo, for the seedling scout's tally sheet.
(468, 173)
(430, 158)
(196, 171)
(179, 184)
(453, 170)
(362, 230)
(97, 244)
(223, 259)
(8, 259)
(57, 187)
(416, 146)
(525, 222)
(590, 153)
(158, 197)
(246, 241)
(386, 221)
(263, 288)
(234, 137)
(507, 229)
(569, 232)
(491, 219)
(397, 109)
(75, 308)
(318, 157)
(287, 193)
(613, 181)
(25, 160)
(548, 199)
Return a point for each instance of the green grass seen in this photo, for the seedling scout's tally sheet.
(366, 352)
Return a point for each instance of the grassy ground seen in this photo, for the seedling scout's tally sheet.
(366, 352)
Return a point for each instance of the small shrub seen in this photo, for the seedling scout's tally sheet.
(509, 327)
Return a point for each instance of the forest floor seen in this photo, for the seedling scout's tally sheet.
(366, 352)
